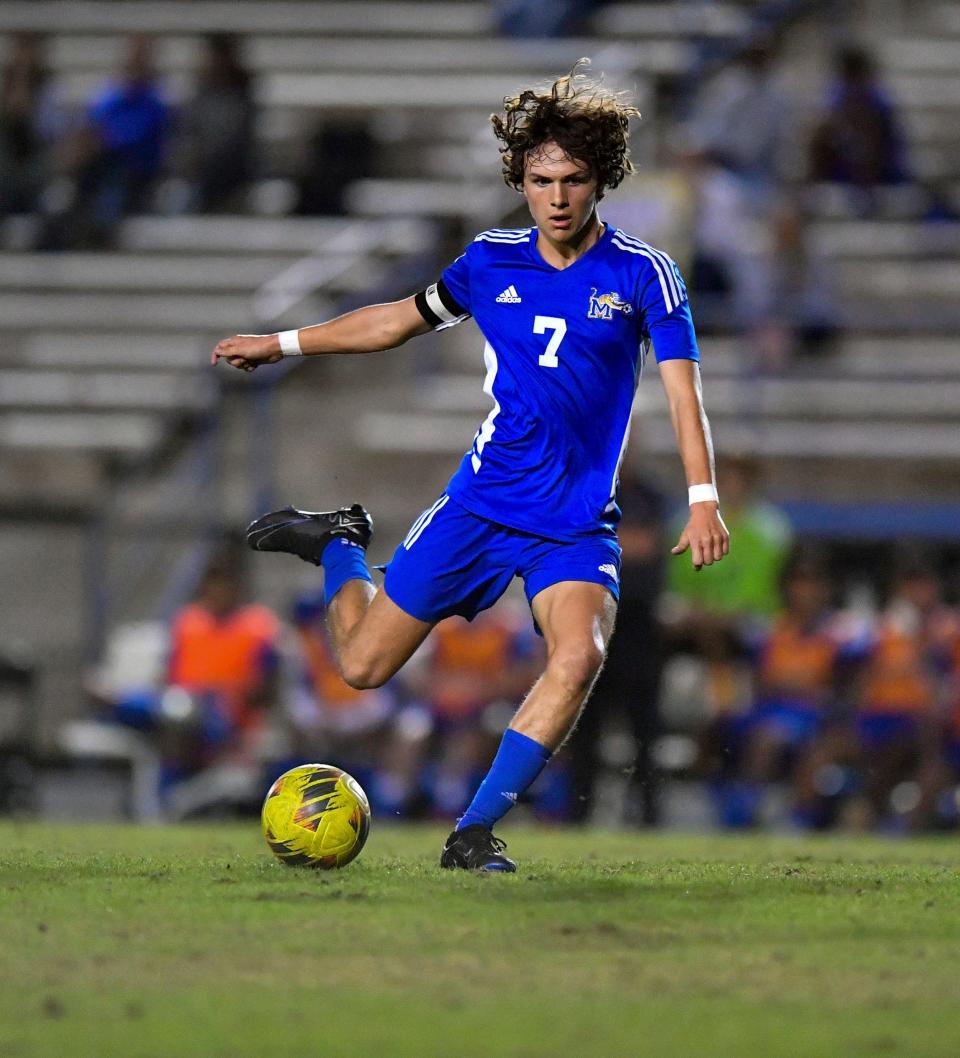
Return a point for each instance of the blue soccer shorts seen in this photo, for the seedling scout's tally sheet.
(454, 562)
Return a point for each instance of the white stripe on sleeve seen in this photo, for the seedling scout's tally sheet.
(662, 257)
(664, 284)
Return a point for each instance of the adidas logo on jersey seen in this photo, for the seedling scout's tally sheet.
(609, 568)
(510, 296)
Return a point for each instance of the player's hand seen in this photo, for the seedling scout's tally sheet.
(247, 351)
(704, 535)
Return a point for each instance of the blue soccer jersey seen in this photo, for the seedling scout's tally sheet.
(564, 350)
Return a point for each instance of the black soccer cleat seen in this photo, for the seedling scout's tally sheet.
(306, 533)
(476, 849)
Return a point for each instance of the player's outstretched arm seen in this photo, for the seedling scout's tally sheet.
(704, 535)
(367, 330)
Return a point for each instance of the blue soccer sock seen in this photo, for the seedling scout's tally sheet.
(518, 762)
(342, 561)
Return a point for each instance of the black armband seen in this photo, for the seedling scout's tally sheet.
(438, 306)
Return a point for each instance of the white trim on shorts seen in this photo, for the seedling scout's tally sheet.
(423, 521)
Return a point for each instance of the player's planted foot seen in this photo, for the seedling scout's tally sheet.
(306, 533)
(476, 849)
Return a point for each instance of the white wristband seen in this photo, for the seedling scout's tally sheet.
(290, 343)
(703, 494)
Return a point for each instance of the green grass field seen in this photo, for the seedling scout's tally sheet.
(192, 942)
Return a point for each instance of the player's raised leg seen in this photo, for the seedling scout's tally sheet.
(372, 636)
(577, 620)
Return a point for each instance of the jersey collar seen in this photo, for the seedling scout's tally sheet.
(605, 236)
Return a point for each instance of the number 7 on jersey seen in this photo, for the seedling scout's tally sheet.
(542, 324)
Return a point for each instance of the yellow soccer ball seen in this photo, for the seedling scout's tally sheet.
(316, 816)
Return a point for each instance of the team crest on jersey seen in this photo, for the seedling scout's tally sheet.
(603, 306)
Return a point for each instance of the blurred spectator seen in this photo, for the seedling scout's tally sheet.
(804, 316)
(859, 141)
(217, 127)
(730, 273)
(18, 730)
(338, 153)
(629, 682)
(796, 688)
(712, 615)
(753, 267)
(900, 707)
(30, 120)
(222, 671)
(746, 122)
(322, 704)
(363, 731)
(948, 802)
(745, 585)
(887, 762)
(116, 156)
(475, 676)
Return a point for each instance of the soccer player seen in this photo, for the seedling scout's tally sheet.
(569, 309)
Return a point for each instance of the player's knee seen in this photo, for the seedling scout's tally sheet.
(576, 666)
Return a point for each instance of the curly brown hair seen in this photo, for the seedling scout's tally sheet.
(582, 117)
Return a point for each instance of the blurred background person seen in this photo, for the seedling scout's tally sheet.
(366, 732)
(472, 679)
(858, 140)
(805, 318)
(627, 690)
(215, 130)
(948, 781)
(116, 155)
(749, 587)
(755, 269)
(224, 661)
(30, 121)
(713, 615)
(746, 121)
(731, 246)
(339, 151)
(901, 703)
(797, 691)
